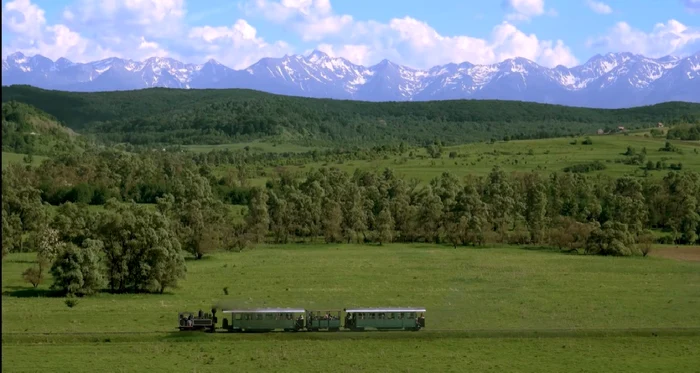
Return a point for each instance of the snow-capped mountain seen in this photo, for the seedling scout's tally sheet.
(613, 80)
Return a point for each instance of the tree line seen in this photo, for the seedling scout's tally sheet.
(684, 132)
(173, 116)
(129, 247)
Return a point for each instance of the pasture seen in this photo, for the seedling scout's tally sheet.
(485, 308)
(8, 158)
(543, 156)
(253, 146)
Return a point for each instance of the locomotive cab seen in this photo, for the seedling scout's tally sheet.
(201, 321)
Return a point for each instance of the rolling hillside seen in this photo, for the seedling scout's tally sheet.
(28, 130)
(173, 116)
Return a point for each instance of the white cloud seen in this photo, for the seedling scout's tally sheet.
(408, 40)
(138, 29)
(356, 53)
(24, 18)
(665, 38)
(312, 19)
(135, 29)
(155, 18)
(33, 35)
(523, 10)
(599, 7)
(237, 46)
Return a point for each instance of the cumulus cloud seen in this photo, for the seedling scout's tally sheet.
(237, 45)
(135, 29)
(312, 19)
(33, 35)
(599, 7)
(667, 38)
(524, 10)
(356, 53)
(408, 40)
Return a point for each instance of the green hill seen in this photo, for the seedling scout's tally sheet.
(210, 116)
(28, 130)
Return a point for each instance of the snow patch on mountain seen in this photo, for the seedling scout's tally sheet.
(610, 80)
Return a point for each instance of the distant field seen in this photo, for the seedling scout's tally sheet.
(544, 156)
(8, 158)
(497, 289)
(255, 146)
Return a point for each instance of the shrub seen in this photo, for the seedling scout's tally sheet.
(35, 275)
(586, 167)
(644, 242)
(613, 238)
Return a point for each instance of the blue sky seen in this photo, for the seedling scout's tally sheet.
(417, 33)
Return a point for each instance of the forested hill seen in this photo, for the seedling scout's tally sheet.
(28, 130)
(210, 116)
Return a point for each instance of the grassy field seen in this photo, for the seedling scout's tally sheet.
(444, 354)
(544, 156)
(254, 146)
(8, 158)
(498, 295)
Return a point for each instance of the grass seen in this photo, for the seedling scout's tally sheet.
(626, 354)
(254, 146)
(498, 288)
(544, 156)
(8, 158)
(523, 310)
(498, 294)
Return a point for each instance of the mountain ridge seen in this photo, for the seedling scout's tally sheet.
(612, 80)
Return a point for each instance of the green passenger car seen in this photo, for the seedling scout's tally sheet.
(385, 318)
(264, 319)
(320, 320)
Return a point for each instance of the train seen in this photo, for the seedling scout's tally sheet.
(298, 320)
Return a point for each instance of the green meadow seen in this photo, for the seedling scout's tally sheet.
(543, 156)
(490, 309)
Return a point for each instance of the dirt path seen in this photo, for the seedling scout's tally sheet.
(687, 253)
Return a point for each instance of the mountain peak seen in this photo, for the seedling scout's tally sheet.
(609, 80)
(385, 63)
(316, 55)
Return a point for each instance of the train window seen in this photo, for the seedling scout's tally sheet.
(237, 316)
(392, 316)
(259, 316)
(400, 315)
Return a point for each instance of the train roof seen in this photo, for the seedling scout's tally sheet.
(266, 310)
(369, 310)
